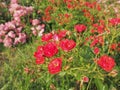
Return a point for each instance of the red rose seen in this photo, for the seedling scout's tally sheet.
(106, 63)
(47, 37)
(67, 45)
(50, 49)
(40, 60)
(80, 27)
(39, 53)
(55, 66)
(62, 33)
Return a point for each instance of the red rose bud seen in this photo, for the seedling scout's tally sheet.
(113, 46)
(67, 45)
(96, 50)
(85, 79)
(80, 27)
(107, 63)
(50, 49)
(55, 66)
(40, 60)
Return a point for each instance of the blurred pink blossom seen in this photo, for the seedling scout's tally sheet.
(14, 1)
(35, 22)
(11, 34)
(7, 41)
(22, 37)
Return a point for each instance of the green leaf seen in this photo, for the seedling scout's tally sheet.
(100, 85)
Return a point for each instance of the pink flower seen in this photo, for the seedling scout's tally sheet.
(16, 41)
(34, 32)
(26, 70)
(19, 29)
(7, 41)
(35, 22)
(80, 27)
(55, 37)
(13, 1)
(40, 33)
(2, 27)
(22, 37)
(1, 40)
(11, 34)
(39, 27)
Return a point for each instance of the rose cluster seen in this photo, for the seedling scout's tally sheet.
(10, 34)
(37, 28)
(11, 31)
(53, 41)
(18, 11)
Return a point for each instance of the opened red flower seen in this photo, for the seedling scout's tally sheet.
(80, 27)
(39, 53)
(40, 60)
(67, 45)
(50, 49)
(62, 33)
(55, 66)
(47, 37)
(107, 63)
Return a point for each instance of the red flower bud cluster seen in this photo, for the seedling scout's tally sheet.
(80, 27)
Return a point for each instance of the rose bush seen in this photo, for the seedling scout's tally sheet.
(77, 48)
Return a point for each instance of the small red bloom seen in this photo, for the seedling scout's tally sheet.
(80, 27)
(69, 6)
(85, 79)
(26, 70)
(113, 46)
(67, 45)
(94, 42)
(40, 60)
(62, 33)
(55, 66)
(39, 52)
(96, 50)
(114, 21)
(47, 37)
(107, 63)
(50, 49)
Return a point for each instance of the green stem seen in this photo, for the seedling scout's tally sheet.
(89, 84)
